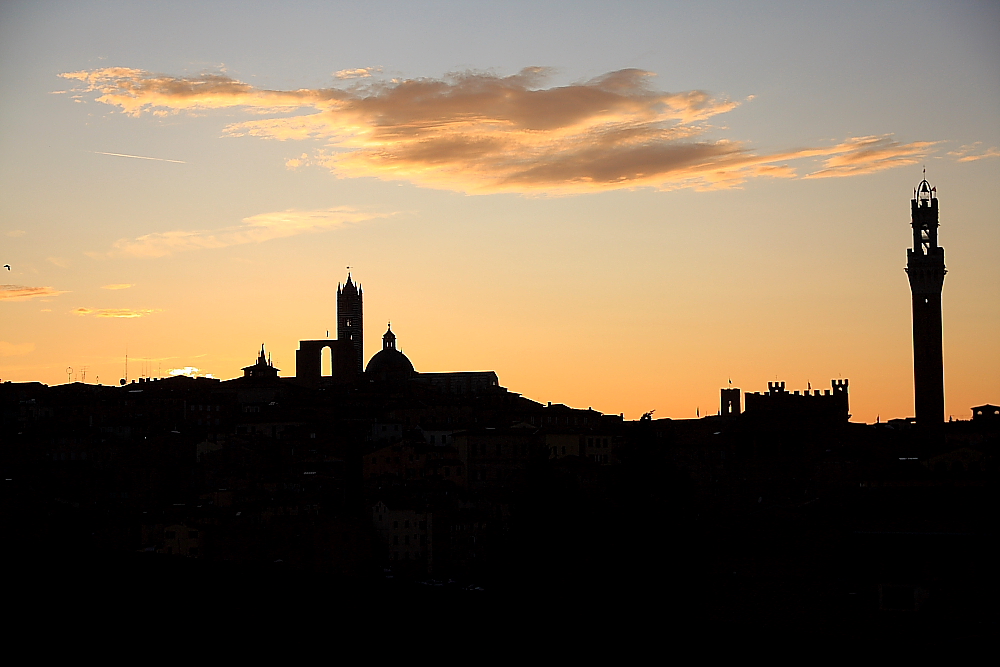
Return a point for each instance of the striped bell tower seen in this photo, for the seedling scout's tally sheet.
(350, 323)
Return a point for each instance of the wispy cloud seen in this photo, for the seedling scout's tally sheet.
(255, 229)
(61, 262)
(118, 286)
(128, 313)
(864, 155)
(138, 157)
(974, 151)
(359, 73)
(479, 132)
(15, 350)
(23, 292)
(190, 371)
(16, 232)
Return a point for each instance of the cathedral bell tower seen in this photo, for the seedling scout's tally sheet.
(925, 269)
(349, 317)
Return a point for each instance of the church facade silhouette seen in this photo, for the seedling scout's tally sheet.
(388, 368)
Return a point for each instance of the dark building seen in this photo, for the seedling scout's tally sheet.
(262, 369)
(730, 402)
(389, 365)
(812, 406)
(350, 324)
(925, 269)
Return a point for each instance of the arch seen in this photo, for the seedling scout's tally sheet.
(326, 361)
(309, 361)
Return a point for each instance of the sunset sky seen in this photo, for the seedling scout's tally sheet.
(617, 205)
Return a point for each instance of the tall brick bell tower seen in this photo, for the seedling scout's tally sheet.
(349, 317)
(925, 269)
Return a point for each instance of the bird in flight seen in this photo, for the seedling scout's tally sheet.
(7, 266)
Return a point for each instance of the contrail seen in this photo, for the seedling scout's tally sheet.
(139, 157)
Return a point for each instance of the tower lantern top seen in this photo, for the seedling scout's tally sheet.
(389, 338)
(924, 193)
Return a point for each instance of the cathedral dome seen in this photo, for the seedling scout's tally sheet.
(389, 364)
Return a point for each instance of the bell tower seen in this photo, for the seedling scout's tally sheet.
(925, 269)
(349, 317)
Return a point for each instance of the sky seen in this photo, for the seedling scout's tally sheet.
(622, 206)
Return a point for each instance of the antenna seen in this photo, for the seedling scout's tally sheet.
(69, 374)
(126, 365)
(83, 373)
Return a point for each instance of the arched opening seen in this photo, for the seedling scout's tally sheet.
(326, 362)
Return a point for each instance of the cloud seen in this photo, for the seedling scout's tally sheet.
(255, 229)
(359, 73)
(479, 132)
(16, 232)
(14, 350)
(23, 292)
(973, 152)
(864, 155)
(118, 286)
(115, 312)
(189, 371)
(61, 262)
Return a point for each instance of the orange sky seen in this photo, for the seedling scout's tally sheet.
(627, 227)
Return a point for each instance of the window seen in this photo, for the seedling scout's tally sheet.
(406, 524)
(395, 524)
(193, 534)
(395, 539)
(406, 539)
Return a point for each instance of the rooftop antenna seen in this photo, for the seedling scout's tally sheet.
(83, 373)
(69, 374)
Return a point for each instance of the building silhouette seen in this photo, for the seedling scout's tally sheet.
(350, 320)
(262, 369)
(925, 269)
(389, 364)
(813, 406)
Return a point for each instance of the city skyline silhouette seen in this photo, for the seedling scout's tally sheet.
(626, 227)
(629, 318)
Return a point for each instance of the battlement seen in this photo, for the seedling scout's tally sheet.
(809, 405)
